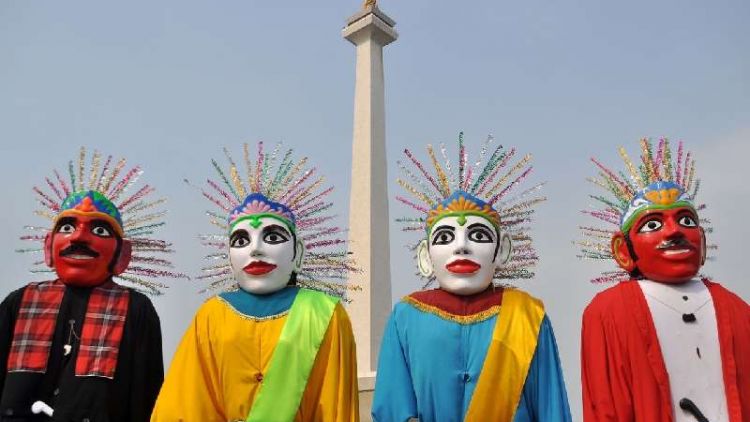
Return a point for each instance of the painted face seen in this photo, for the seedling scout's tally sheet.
(463, 257)
(263, 254)
(669, 245)
(82, 250)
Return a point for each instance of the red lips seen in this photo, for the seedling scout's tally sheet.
(259, 268)
(463, 266)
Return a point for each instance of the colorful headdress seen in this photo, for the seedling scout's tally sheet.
(660, 181)
(96, 192)
(94, 204)
(449, 193)
(462, 204)
(256, 206)
(286, 190)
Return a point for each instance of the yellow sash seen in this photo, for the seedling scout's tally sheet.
(508, 359)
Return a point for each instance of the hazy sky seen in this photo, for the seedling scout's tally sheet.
(169, 83)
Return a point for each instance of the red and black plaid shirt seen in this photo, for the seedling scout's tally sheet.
(100, 339)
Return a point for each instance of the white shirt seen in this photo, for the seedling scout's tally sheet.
(690, 349)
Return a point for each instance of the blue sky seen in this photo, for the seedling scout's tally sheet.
(168, 84)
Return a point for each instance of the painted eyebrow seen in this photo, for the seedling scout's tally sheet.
(484, 226)
(651, 214)
(276, 227)
(237, 233)
(478, 225)
(687, 212)
(103, 223)
(443, 227)
(647, 217)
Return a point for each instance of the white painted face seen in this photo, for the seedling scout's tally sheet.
(463, 257)
(263, 257)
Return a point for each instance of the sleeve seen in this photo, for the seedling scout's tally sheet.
(191, 390)
(598, 368)
(394, 399)
(8, 312)
(544, 397)
(332, 393)
(148, 365)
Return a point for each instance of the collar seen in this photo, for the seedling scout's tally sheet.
(261, 306)
(457, 308)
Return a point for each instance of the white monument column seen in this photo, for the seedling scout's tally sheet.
(369, 30)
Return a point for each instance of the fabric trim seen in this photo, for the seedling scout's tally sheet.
(250, 317)
(511, 351)
(285, 382)
(460, 319)
(458, 304)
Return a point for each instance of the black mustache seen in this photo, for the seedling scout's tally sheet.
(674, 242)
(79, 249)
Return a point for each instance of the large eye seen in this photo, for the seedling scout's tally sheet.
(275, 237)
(239, 239)
(687, 221)
(101, 231)
(443, 237)
(650, 226)
(480, 235)
(66, 228)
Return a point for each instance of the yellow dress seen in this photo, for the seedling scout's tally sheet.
(219, 365)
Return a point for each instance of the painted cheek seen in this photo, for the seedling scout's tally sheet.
(105, 246)
(237, 254)
(439, 254)
(485, 252)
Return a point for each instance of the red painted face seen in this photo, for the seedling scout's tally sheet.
(82, 249)
(669, 245)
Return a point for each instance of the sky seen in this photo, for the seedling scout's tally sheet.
(169, 84)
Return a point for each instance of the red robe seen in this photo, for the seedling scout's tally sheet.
(622, 368)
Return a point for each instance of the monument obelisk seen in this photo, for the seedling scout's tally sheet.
(369, 30)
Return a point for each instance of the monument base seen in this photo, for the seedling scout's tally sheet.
(365, 404)
(366, 384)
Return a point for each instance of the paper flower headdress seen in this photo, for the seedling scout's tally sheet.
(100, 190)
(289, 191)
(659, 181)
(485, 187)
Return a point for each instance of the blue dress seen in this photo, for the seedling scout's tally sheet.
(432, 354)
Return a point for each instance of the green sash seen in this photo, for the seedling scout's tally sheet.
(285, 381)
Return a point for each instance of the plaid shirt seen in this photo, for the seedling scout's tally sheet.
(100, 339)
